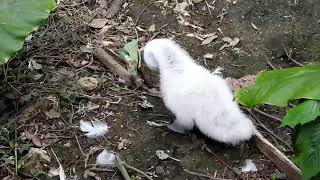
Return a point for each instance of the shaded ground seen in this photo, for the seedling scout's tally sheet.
(60, 46)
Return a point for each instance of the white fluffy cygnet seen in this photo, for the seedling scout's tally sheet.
(196, 97)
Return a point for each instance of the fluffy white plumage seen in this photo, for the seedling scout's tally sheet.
(94, 130)
(196, 97)
(106, 158)
(249, 166)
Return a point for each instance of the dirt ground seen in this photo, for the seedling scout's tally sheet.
(269, 32)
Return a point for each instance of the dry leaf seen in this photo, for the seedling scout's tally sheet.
(162, 155)
(146, 105)
(33, 65)
(245, 81)
(123, 144)
(209, 39)
(88, 83)
(98, 23)
(208, 56)
(52, 114)
(181, 8)
(232, 42)
(34, 138)
(152, 28)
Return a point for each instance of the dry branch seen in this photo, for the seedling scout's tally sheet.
(115, 7)
(277, 157)
(117, 68)
(236, 172)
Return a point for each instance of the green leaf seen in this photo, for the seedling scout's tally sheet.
(307, 147)
(278, 87)
(303, 113)
(17, 19)
(130, 54)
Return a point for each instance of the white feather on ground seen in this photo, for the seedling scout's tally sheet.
(95, 129)
(106, 158)
(249, 166)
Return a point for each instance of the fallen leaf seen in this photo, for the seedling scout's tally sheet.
(152, 28)
(208, 56)
(42, 153)
(181, 8)
(87, 48)
(33, 65)
(230, 42)
(98, 23)
(209, 39)
(162, 155)
(105, 29)
(145, 104)
(254, 26)
(52, 114)
(88, 83)
(92, 106)
(123, 144)
(131, 56)
(245, 81)
(53, 172)
(34, 138)
(37, 76)
(107, 43)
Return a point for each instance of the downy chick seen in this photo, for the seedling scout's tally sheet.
(196, 97)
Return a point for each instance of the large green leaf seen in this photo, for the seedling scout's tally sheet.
(307, 145)
(278, 87)
(130, 54)
(303, 113)
(17, 19)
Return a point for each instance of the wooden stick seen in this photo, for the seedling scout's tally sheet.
(203, 175)
(121, 168)
(277, 157)
(221, 161)
(115, 67)
(115, 7)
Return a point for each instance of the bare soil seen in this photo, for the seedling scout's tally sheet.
(60, 47)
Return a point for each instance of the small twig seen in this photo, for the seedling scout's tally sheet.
(137, 20)
(115, 7)
(267, 129)
(79, 145)
(270, 64)
(203, 175)
(268, 115)
(221, 161)
(15, 147)
(289, 57)
(122, 167)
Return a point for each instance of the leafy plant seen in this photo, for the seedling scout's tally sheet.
(278, 88)
(17, 19)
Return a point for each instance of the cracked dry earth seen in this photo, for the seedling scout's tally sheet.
(59, 54)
